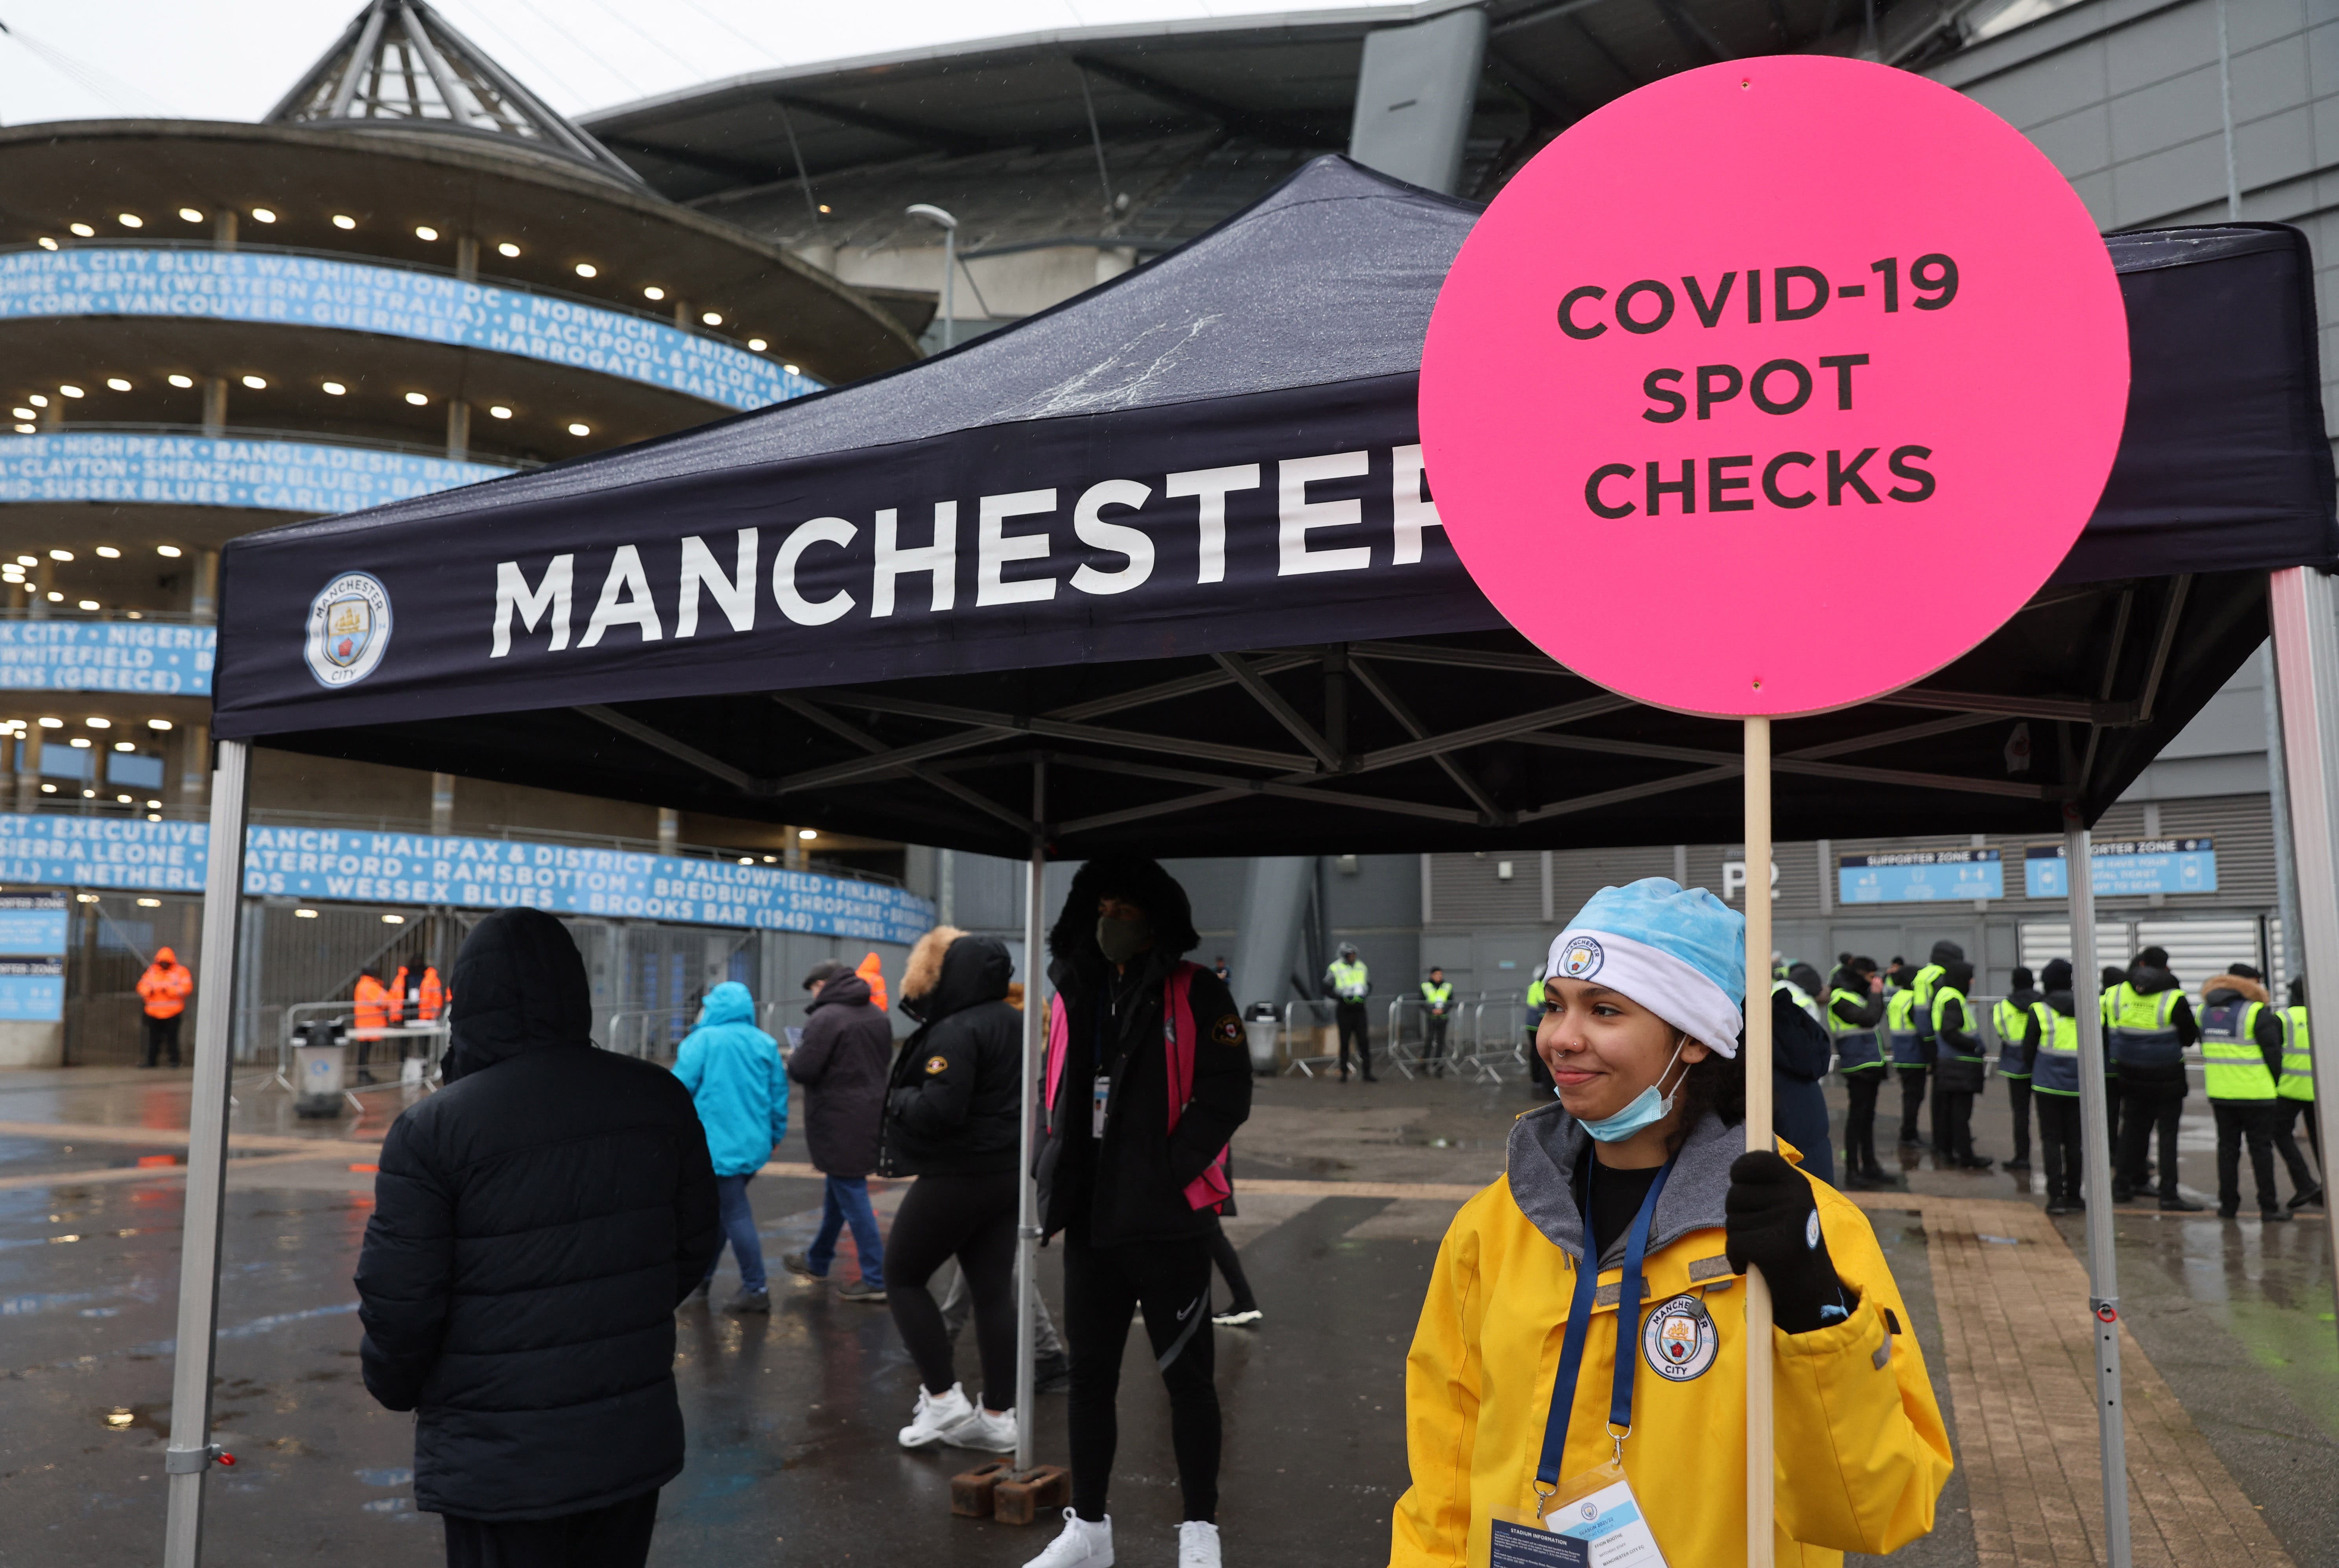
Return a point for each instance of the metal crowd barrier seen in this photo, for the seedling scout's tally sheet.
(431, 1036)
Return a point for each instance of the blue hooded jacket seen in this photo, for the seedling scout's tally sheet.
(732, 1071)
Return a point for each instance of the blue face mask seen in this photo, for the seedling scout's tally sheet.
(1646, 1109)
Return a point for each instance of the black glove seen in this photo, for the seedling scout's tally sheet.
(1774, 1224)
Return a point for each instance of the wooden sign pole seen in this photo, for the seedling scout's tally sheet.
(1760, 1511)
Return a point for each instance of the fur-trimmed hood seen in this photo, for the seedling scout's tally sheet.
(1142, 882)
(950, 971)
(2246, 988)
(925, 967)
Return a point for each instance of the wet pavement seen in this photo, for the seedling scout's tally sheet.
(791, 1418)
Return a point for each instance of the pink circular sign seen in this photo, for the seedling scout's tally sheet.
(1773, 385)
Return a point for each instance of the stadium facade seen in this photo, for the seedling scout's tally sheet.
(1069, 158)
(411, 274)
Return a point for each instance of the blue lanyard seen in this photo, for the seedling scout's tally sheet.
(1579, 1320)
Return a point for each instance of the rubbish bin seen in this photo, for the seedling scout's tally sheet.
(1261, 1028)
(320, 1067)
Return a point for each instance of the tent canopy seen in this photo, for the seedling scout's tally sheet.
(1173, 536)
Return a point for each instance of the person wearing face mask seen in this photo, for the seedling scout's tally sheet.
(1148, 1077)
(1536, 1403)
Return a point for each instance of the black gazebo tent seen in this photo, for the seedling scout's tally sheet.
(1186, 551)
(1170, 542)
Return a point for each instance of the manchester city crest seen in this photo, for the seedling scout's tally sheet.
(349, 629)
(1679, 1340)
(1581, 958)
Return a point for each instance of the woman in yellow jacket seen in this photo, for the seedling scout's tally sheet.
(1641, 1033)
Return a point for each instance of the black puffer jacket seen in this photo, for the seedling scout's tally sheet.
(1131, 1187)
(844, 1058)
(950, 1104)
(535, 1223)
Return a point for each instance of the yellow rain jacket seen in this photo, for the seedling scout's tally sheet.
(1862, 1452)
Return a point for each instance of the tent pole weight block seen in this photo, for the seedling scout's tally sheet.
(1025, 1495)
(199, 1249)
(971, 1490)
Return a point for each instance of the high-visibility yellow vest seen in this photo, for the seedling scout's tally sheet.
(1534, 995)
(1942, 996)
(1922, 987)
(2141, 1028)
(1799, 996)
(1902, 1030)
(1349, 980)
(2055, 1069)
(1856, 1047)
(2236, 1068)
(1438, 996)
(2007, 1020)
(2297, 1057)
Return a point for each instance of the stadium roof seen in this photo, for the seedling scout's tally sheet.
(400, 66)
(1283, 81)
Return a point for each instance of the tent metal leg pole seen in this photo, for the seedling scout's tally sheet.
(2095, 1125)
(191, 1450)
(1027, 1219)
(2306, 656)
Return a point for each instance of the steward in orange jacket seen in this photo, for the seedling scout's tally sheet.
(373, 999)
(873, 970)
(164, 989)
(398, 996)
(433, 998)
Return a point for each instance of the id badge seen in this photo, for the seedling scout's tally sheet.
(1099, 1093)
(1593, 1521)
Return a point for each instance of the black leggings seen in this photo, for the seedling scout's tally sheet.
(973, 1219)
(1170, 1281)
(1861, 1088)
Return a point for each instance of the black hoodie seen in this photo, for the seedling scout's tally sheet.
(950, 1103)
(535, 1223)
(1130, 1188)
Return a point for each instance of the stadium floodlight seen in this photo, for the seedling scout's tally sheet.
(949, 225)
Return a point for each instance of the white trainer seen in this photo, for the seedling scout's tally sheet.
(1198, 1545)
(932, 1421)
(992, 1432)
(1081, 1546)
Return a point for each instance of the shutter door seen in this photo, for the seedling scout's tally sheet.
(2044, 941)
(2198, 949)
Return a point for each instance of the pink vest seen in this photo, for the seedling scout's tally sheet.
(1210, 1189)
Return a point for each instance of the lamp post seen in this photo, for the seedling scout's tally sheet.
(949, 225)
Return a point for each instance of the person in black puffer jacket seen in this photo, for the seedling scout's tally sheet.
(1116, 1179)
(952, 1120)
(845, 1058)
(536, 1222)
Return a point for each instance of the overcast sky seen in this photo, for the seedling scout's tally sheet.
(232, 59)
